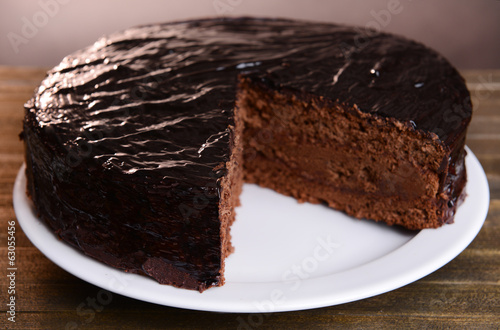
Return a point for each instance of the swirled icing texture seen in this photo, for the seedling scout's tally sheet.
(157, 97)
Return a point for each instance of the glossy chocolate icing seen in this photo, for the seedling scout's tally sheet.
(133, 132)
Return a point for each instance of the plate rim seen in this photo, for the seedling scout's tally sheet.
(259, 297)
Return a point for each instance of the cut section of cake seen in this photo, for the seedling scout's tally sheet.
(137, 146)
(323, 151)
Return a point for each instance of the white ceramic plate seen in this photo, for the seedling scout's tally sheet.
(289, 256)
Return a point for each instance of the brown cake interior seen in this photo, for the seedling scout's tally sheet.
(231, 186)
(323, 152)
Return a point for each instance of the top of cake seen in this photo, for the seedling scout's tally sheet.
(133, 101)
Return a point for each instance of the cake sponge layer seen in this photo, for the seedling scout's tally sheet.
(330, 153)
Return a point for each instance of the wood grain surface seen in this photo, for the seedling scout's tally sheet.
(463, 294)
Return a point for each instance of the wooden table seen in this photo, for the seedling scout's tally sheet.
(464, 293)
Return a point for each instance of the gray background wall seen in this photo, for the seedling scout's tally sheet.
(41, 32)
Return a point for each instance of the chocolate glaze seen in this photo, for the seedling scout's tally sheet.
(123, 137)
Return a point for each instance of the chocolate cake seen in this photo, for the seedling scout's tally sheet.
(137, 146)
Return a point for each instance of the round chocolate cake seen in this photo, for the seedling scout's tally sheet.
(137, 146)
